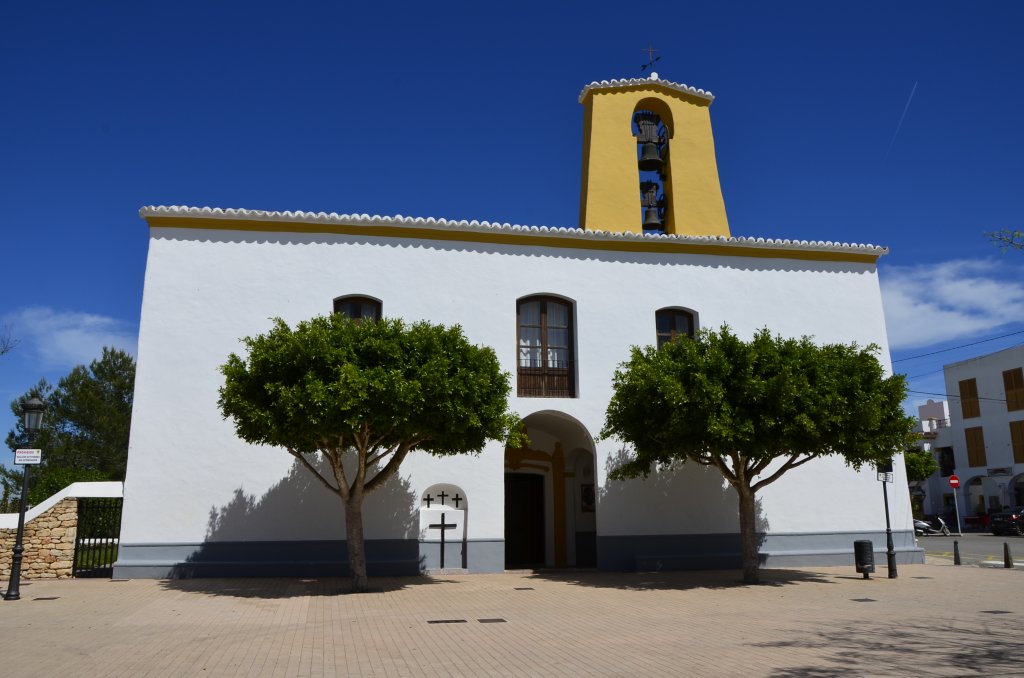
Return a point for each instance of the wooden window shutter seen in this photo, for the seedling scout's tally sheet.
(1017, 441)
(969, 398)
(975, 446)
(1013, 385)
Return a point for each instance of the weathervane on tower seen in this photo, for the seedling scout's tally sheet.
(650, 58)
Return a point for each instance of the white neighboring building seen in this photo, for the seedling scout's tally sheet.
(982, 438)
(932, 417)
(561, 307)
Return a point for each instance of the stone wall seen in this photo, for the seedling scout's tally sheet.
(49, 543)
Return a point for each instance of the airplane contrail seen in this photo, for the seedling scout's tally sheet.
(900, 123)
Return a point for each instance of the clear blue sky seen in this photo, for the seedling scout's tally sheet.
(470, 111)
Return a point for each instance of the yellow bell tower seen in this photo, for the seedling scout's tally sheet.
(649, 159)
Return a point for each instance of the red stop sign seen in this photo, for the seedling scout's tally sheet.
(954, 482)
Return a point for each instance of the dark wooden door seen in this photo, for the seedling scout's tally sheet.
(524, 520)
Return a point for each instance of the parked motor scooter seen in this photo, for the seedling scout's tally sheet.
(923, 528)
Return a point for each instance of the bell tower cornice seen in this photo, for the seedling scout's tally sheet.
(653, 84)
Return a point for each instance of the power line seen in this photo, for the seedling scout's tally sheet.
(925, 374)
(973, 343)
(980, 397)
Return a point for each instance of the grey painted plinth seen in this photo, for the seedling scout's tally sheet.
(385, 558)
(654, 553)
(473, 555)
(399, 557)
(836, 548)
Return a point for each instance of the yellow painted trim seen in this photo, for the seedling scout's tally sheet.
(558, 498)
(545, 469)
(516, 458)
(546, 240)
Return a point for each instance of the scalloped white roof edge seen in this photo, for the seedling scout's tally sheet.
(633, 82)
(399, 221)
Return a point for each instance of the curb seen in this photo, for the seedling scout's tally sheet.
(999, 564)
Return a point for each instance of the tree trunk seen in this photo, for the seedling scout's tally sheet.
(748, 535)
(354, 541)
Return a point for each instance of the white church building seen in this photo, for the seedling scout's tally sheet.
(652, 258)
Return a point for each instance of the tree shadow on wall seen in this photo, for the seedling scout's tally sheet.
(299, 507)
(297, 529)
(687, 498)
(680, 517)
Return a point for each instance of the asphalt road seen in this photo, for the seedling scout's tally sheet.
(974, 547)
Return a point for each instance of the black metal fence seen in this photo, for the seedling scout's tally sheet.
(99, 526)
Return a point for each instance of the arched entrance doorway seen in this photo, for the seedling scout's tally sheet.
(1016, 491)
(550, 495)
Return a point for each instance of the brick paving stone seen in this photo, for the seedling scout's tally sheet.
(934, 620)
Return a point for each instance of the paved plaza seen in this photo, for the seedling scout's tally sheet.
(933, 619)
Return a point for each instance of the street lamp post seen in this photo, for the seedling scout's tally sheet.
(890, 550)
(32, 410)
(885, 476)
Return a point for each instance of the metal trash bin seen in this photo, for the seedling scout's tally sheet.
(864, 557)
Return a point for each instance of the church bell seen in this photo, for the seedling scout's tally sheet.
(650, 158)
(652, 140)
(652, 219)
(653, 205)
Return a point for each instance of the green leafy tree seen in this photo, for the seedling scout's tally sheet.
(85, 427)
(368, 394)
(920, 464)
(88, 416)
(754, 410)
(1007, 239)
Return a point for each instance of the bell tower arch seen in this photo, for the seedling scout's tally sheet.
(649, 159)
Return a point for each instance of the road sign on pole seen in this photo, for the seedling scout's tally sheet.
(954, 482)
(25, 457)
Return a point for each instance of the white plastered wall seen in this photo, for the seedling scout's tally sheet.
(190, 479)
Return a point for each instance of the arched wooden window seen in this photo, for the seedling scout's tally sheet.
(358, 308)
(672, 323)
(545, 346)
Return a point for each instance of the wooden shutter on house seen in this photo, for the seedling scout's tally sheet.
(1017, 441)
(1013, 385)
(975, 446)
(969, 398)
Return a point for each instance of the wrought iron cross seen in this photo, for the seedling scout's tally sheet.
(444, 527)
(650, 57)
